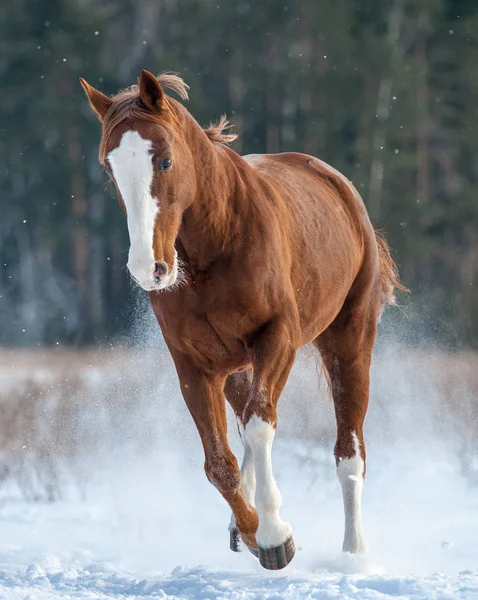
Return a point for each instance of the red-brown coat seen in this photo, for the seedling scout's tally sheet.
(276, 251)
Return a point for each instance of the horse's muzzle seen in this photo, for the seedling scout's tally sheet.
(160, 270)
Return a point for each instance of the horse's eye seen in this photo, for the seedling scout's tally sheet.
(164, 164)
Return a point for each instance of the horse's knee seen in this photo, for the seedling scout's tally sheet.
(223, 472)
(259, 409)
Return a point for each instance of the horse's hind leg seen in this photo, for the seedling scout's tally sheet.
(237, 390)
(346, 350)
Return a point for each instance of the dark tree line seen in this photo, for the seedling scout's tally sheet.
(386, 91)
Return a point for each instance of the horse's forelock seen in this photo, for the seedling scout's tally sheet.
(127, 104)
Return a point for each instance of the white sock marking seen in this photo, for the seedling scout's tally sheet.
(248, 478)
(272, 531)
(350, 473)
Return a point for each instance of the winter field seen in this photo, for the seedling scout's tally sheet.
(103, 493)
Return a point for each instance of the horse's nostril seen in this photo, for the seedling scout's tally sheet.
(160, 269)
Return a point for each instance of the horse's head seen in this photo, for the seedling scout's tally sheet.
(144, 152)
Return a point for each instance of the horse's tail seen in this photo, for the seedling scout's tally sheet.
(388, 273)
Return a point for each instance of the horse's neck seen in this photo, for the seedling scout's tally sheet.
(214, 223)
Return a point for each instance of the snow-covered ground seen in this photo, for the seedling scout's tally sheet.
(145, 522)
(161, 530)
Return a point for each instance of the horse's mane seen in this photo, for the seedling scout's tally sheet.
(215, 131)
(127, 104)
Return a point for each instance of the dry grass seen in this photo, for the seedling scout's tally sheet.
(63, 412)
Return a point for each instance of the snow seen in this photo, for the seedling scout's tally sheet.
(161, 530)
(148, 524)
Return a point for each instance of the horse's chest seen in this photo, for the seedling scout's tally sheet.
(213, 348)
(208, 332)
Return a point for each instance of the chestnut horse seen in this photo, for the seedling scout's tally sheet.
(246, 260)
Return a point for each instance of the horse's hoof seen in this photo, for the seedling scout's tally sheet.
(234, 540)
(278, 557)
(253, 551)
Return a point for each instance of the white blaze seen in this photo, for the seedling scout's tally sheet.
(133, 171)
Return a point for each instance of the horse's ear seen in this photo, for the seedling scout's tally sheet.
(150, 92)
(98, 101)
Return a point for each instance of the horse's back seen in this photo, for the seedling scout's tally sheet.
(298, 174)
(331, 239)
(315, 195)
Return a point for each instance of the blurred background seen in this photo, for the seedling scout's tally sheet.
(386, 91)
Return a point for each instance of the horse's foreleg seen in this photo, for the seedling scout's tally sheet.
(237, 390)
(204, 396)
(273, 358)
(346, 352)
(248, 482)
